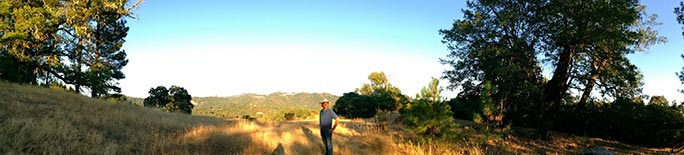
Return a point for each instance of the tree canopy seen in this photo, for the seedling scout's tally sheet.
(506, 42)
(174, 99)
(365, 102)
(388, 97)
(65, 42)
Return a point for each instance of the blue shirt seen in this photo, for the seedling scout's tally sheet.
(326, 118)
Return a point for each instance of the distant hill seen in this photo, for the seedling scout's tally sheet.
(264, 107)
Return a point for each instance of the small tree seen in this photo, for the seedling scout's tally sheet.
(658, 100)
(386, 96)
(175, 99)
(429, 114)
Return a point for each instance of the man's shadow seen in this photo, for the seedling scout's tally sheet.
(280, 150)
(313, 138)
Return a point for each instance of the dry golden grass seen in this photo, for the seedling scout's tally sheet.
(37, 120)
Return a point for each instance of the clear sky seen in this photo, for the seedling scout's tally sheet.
(223, 48)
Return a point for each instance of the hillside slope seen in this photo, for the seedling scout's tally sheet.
(36, 120)
(39, 120)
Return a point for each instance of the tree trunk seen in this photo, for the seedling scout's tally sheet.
(590, 85)
(77, 85)
(553, 92)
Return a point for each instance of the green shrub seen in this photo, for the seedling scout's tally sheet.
(353, 105)
(626, 120)
(289, 116)
(428, 114)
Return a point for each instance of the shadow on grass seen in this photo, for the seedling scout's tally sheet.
(280, 150)
(212, 140)
(313, 139)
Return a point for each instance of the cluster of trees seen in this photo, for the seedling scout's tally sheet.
(653, 124)
(174, 99)
(366, 101)
(68, 44)
(428, 113)
(499, 47)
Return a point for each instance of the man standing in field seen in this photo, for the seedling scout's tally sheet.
(327, 126)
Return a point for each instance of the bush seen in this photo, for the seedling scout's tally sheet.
(248, 117)
(627, 121)
(428, 118)
(428, 114)
(289, 116)
(465, 107)
(353, 105)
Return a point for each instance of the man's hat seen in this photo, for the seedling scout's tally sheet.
(325, 100)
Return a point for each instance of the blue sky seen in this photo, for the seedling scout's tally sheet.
(660, 63)
(222, 48)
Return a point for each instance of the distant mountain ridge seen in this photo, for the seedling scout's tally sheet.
(267, 107)
(270, 107)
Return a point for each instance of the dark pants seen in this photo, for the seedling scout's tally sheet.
(327, 140)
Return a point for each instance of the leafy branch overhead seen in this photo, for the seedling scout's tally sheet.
(65, 43)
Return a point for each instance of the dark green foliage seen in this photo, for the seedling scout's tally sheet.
(387, 97)
(353, 105)
(504, 43)
(466, 106)
(463, 107)
(628, 121)
(158, 98)
(289, 116)
(181, 100)
(427, 117)
(175, 99)
(366, 101)
(681, 73)
(679, 12)
(658, 101)
(428, 114)
(248, 117)
(12, 70)
(72, 43)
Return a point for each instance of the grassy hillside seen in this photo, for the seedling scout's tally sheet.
(40, 120)
(37, 120)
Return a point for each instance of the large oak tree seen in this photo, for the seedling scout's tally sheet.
(65, 42)
(506, 43)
